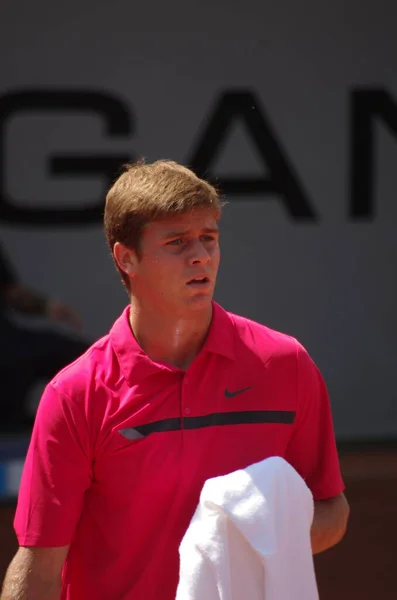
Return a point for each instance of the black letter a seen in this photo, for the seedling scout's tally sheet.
(282, 179)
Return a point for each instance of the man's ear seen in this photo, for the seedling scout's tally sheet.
(126, 259)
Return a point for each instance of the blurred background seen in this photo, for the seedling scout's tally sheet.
(291, 109)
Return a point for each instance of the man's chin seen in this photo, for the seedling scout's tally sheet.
(198, 302)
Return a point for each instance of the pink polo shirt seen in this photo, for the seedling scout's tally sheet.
(122, 446)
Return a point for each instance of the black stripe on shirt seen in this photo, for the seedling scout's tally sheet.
(284, 417)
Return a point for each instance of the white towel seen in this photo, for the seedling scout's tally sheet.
(249, 538)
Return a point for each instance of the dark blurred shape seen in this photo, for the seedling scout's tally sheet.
(29, 355)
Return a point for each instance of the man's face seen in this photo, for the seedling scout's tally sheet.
(178, 263)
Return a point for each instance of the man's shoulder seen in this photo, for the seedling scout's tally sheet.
(264, 340)
(81, 373)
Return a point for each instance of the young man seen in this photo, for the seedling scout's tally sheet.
(178, 392)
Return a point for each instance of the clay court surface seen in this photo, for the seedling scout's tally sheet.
(364, 565)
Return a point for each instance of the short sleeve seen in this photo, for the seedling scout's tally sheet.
(312, 449)
(56, 474)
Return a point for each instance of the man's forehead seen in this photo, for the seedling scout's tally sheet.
(194, 219)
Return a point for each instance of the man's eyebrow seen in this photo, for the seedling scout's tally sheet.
(183, 232)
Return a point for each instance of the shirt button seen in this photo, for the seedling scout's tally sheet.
(186, 379)
(187, 411)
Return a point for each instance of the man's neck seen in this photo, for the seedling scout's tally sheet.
(174, 340)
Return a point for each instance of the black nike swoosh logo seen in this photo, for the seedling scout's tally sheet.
(237, 392)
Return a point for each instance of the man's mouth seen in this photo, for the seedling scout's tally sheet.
(198, 281)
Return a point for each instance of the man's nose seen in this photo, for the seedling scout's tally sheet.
(198, 253)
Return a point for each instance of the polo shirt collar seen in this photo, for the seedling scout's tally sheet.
(136, 364)
(220, 338)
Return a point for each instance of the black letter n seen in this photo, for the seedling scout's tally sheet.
(365, 106)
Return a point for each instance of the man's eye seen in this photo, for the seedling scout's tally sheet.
(177, 242)
(207, 238)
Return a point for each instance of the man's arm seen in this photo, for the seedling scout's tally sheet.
(35, 574)
(329, 522)
(313, 453)
(21, 299)
(24, 300)
(56, 475)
